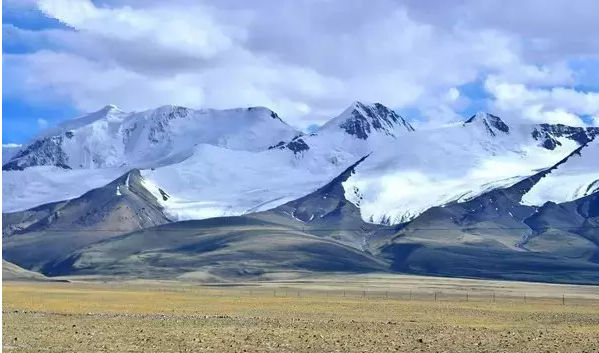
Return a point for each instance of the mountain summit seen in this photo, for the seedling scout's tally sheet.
(492, 124)
(362, 120)
(110, 137)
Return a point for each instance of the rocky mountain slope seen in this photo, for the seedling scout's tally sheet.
(12, 272)
(36, 236)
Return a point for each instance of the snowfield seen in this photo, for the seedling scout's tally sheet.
(576, 178)
(22, 190)
(217, 181)
(434, 167)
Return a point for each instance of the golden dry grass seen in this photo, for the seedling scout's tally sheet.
(84, 317)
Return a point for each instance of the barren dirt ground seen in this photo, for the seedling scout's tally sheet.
(167, 317)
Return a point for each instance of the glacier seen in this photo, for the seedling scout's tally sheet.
(575, 178)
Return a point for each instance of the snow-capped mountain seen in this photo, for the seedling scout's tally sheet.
(356, 132)
(103, 194)
(208, 163)
(205, 176)
(112, 138)
(456, 163)
(364, 120)
(205, 185)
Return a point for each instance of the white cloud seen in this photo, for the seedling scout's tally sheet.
(304, 59)
(555, 105)
(556, 116)
(453, 94)
(556, 74)
(190, 31)
(549, 30)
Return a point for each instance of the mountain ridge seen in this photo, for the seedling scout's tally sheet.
(112, 138)
(188, 168)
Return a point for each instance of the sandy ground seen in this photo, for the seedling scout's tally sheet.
(167, 317)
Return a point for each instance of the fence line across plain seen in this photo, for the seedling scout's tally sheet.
(418, 294)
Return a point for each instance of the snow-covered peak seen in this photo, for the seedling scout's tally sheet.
(110, 137)
(549, 135)
(492, 124)
(109, 108)
(362, 120)
(265, 111)
(108, 113)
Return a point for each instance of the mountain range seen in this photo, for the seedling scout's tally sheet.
(218, 194)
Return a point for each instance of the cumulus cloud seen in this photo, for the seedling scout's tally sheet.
(555, 105)
(307, 59)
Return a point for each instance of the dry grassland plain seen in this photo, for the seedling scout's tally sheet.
(325, 315)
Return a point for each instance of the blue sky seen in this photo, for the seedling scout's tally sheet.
(432, 62)
(23, 118)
